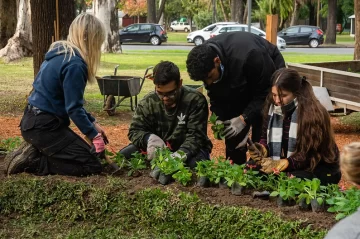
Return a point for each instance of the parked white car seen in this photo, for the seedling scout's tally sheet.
(180, 26)
(198, 37)
(281, 44)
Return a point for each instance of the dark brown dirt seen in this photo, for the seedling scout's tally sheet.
(118, 139)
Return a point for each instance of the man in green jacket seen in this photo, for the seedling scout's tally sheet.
(174, 116)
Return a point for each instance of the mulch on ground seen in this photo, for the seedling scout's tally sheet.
(118, 139)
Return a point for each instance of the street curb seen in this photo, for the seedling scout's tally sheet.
(287, 46)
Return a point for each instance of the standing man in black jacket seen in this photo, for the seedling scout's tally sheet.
(236, 69)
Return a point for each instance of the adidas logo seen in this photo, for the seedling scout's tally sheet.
(181, 118)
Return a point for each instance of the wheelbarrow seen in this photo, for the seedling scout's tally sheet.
(121, 86)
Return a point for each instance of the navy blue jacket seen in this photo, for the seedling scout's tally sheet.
(59, 89)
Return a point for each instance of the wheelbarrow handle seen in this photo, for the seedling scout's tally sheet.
(147, 69)
(115, 69)
(145, 76)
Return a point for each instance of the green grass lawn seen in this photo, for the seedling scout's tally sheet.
(177, 37)
(17, 77)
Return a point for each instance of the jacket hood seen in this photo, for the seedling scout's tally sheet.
(58, 50)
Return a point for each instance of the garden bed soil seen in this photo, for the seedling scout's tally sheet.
(218, 196)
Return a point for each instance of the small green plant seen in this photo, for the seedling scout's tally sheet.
(169, 164)
(136, 163)
(166, 162)
(118, 158)
(218, 129)
(268, 182)
(203, 167)
(287, 187)
(218, 170)
(10, 144)
(346, 204)
(183, 176)
(311, 189)
(244, 177)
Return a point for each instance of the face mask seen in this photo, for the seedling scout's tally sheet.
(290, 106)
(221, 74)
(281, 110)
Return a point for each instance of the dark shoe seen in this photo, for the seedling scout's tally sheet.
(23, 158)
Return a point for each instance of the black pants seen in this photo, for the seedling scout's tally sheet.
(62, 151)
(191, 161)
(326, 174)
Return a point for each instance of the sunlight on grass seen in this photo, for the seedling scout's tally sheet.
(17, 77)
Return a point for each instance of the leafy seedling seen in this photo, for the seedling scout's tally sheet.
(217, 128)
(136, 163)
(183, 176)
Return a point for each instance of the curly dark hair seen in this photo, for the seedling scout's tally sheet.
(166, 72)
(200, 62)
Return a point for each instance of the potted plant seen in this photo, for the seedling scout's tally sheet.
(287, 189)
(136, 163)
(313, 194)
(240, 179)
(167, 164)
(183, 176)
(202, 171)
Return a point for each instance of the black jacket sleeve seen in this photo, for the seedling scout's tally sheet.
(258, 69)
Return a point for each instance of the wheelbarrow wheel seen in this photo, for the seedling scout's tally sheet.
(110, 103)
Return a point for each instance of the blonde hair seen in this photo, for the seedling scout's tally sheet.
(350, 162)
(86, 35)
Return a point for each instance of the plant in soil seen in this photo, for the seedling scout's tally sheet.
(312, 192)
(268, 182)
(169, 165)
(136, 163)
(118, 158)
(218, 129)
(287, 188)
(183, 176)
(344, 204)
(239, 178)
(202, 170)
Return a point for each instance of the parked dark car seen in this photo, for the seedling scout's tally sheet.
(303, 35)
(143, 32)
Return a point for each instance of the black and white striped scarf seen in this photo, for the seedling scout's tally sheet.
(275, 129)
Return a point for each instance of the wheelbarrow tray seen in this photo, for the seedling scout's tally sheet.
(126, 86)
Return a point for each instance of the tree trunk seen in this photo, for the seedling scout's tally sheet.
(161, 11)
(7, 20)
(67, 14)
(237, 10)
(20, 44)
(241, 10)
(223, 10)
(107, 12)
(151, 11)
(43, 30)
(244, 19)
(295, 15)
(312, 16)
(357, 30)
(331, 23)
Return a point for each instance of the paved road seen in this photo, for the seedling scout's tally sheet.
(305, 50)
